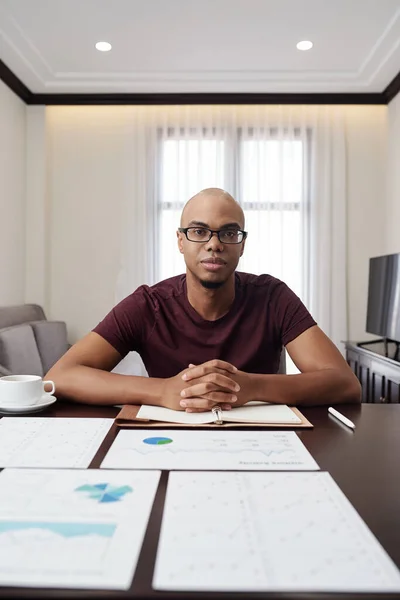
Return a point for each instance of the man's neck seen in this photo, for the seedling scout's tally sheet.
(210, 304)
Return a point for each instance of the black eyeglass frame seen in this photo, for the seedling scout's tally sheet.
(212, 231)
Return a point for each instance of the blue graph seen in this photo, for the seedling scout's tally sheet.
(157, 441)
(104, 492)
(66, 530)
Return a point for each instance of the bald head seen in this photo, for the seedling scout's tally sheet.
(210, 204)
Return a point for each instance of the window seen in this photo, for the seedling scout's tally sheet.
(188, 165)
(264, 169)
(270, 192)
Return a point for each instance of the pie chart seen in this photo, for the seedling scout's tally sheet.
(104, 492)
(157, 441)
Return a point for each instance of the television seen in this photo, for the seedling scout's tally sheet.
(383, 310)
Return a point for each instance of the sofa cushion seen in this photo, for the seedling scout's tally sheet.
(18, 351)
(51, 340)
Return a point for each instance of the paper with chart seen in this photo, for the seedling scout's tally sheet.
(245, 532)
(50, 442)
(224, 450)
(73, 528)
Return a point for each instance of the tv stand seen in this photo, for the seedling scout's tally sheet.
(385, 341)
(377, 368)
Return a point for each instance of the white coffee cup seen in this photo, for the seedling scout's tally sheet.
(23, 390)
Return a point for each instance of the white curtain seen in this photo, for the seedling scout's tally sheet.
(284, 164)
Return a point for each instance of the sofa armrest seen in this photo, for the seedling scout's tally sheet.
(4, 371)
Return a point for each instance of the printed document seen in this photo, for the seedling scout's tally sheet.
(50, 442)
(259, 532)
(73, 528)
(208, 450)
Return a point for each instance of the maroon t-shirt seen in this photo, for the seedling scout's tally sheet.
(160, 324)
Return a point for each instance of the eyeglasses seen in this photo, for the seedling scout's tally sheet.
(204, 234)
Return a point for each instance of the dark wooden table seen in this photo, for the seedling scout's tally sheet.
(365, 463)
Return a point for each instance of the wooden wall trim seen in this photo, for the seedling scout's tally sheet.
(16, 85)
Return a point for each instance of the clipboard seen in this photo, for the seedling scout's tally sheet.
(127, 418)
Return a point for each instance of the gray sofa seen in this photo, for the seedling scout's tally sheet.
(29, 343)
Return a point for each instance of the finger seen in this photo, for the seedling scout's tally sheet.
(216, 398)
(202, 403)
(189, 375)
(220, 371)
(222, 364)
(206, 388)
(213, 381)
(209, 367)
(220, 397)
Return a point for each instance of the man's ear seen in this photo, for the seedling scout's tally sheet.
(180, 242)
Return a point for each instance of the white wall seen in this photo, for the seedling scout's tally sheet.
(12, 197)
(366, 192)
(88, 178)
(37, 213)
(89, 175)
(393, 187)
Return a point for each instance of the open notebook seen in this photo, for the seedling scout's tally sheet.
(253, 413)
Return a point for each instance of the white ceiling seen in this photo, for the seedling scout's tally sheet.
(201, 45)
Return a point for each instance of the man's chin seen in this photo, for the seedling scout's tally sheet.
(211, 285)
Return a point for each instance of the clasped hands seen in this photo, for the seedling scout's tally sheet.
(201, 387)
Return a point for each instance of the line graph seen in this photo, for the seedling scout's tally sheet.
(66, 530)
(83, 546)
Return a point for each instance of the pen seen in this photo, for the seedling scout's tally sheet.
(341, 417)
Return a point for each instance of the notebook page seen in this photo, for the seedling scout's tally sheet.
(158, 413)
(261, 413)
(253, 412)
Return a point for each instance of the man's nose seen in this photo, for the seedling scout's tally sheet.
(214, 243)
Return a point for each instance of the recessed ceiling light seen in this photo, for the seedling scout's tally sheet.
(304, 45)
(103, 46)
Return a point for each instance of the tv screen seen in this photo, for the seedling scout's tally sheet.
(383, 312)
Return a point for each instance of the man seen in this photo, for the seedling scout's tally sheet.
(212, 336)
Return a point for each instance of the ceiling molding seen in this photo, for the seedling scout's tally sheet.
(380, 45)
(208, 98)
(392, 89)
(16, 85)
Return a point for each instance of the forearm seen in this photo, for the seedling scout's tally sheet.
(327, 386)
(94, 386)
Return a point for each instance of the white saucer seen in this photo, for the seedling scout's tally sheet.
(45, 401)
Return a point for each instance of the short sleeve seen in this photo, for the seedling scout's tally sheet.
(292, 317)
(129, 324)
